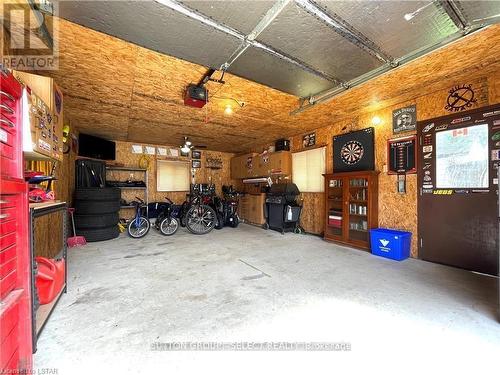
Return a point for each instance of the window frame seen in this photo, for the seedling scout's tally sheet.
(294, 170)
(158, 170)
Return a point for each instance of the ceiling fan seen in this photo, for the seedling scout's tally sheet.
(188, 145)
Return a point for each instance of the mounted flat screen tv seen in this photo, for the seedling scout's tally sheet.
(95, 147)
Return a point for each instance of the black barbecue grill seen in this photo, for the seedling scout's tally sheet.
(282, 211)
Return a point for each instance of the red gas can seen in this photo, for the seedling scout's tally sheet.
(50, 278)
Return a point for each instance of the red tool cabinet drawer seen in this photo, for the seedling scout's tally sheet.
(10, 127)
(5, 149)
(7, 200)
(9, 315)
(8, 213)
(9, 346)
(7, 261)
(8, 284)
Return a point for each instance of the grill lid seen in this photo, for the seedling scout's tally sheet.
(288, 190)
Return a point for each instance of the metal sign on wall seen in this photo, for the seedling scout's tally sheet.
(460, 98)
(404, 119)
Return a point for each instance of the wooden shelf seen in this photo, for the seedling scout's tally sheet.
(44, 311)
(359, 215)
(359, 230)
(131, 187)
(357, 201)
(127, 169)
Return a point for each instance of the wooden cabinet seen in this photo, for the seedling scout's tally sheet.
(251, 208)
(255, 165)
(351, 207)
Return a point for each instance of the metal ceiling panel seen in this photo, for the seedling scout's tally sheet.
(261, 67)
(384, 23)
(298, 34)
(240, 15)
(153, 26)
(479, 11)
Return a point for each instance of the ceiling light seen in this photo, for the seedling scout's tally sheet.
(188, 143)
(376, 120)
(409, 16)
(185, 149)
(228, 110)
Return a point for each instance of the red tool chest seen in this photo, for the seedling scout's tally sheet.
(15, 258)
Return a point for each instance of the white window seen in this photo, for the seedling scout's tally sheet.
(308, 168)
(172, 175)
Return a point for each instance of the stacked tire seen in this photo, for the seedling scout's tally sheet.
(96, 213)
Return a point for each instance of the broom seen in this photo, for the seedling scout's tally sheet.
(75, 240)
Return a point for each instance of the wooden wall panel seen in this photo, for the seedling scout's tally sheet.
(48, 235)
(398, 211)
(122, 91)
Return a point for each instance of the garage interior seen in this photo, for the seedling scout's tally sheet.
(288, 185)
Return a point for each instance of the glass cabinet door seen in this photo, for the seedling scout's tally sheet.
(358, 209)
(335, 206)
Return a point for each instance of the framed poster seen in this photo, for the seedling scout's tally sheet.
(402, 155)
(195, 163)
(309, 140)
(195, 154)
(404, 119)
(354, 151)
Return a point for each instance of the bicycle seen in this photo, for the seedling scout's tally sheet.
(139, 226)
(167, 222)
(199, 218)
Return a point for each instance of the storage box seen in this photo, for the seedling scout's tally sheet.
(389, 243)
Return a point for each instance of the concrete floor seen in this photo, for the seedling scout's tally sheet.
(125, 295)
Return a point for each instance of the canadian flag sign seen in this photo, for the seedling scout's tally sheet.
(459, 132)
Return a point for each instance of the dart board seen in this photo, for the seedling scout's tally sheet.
(351, 152)
(354, 151)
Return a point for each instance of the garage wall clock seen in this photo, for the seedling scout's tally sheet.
(460, 98)
(354, 151)
(404, 119)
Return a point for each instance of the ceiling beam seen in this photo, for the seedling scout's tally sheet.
(329, 94)
(188, 12)
(344, 29)
(454, 11)
(268, 18)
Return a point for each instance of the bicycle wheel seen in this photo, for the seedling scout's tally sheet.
(138, 228)
(201, 219)
(168, 226)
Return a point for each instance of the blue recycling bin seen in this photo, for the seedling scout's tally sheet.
(390, 243)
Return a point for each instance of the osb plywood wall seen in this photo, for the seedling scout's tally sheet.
(48, 237)
(118, 90)
(125, 156)
(396, 210)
